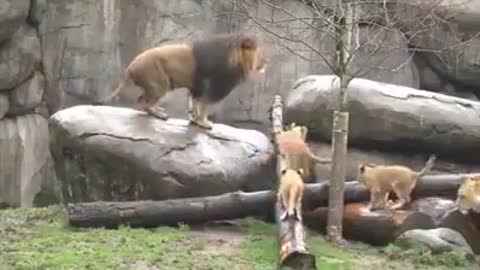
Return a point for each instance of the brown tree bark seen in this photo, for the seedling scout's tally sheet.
(359, 223)
(293, 251)
(338, 173)
(229, 205)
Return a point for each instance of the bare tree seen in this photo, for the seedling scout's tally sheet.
(340, 23)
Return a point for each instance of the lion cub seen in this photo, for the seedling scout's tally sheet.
(290, 193)
(468, 197)
(382, 179)
(295, 152)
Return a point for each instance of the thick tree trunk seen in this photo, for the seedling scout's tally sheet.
(229, 206)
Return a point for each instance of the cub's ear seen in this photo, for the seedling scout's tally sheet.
(300, 172)
(248, 43)
(361, 168)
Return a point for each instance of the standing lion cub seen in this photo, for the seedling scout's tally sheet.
(382, 179)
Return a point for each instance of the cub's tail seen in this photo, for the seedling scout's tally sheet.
(428, 166)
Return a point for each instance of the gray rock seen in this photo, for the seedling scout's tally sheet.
(38, 9)
(437, 240)
(4, 105)
(391, 117)
(451, 90)
(12, 14)
(429, 79)
(356, 156)
(19, 57)
(109, 153)
(26, 166)
(452, 50)
(28, 95)
(384, 59)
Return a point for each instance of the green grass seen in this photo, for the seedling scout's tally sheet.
(40, 239)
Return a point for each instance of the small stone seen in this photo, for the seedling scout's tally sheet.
(437, 240)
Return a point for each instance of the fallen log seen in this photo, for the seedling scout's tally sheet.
(383, 227)
(228, 206)
(373, 227)
(293, 250)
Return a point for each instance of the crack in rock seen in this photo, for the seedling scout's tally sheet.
(218, 137)
(176, 148)
(450, 100)
(88, 135)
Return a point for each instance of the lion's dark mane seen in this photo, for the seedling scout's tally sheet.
(215, 77)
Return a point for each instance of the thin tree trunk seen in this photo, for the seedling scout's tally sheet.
(338, 173)
(345, 33)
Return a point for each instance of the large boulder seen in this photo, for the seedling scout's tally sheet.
(390, 117)
(111, 153)
(356, 156)
(450, 43)
(12, 14)
(382, 56)
(28, 95)
(19, 57)
(27, 177)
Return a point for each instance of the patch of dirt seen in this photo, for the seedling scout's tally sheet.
(218, 237)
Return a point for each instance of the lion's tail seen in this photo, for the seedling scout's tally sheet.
(121, 85)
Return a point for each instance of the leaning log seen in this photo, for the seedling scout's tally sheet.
(228, 206)
(389, 117)
(293, 250)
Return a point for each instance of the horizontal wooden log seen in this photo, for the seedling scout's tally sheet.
(376, 228)
(389, 117)
(383, 227)
(229, 205)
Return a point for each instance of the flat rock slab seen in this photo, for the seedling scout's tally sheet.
(112, 153)
(389, 117)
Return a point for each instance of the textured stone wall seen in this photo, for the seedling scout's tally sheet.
(26, 167)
